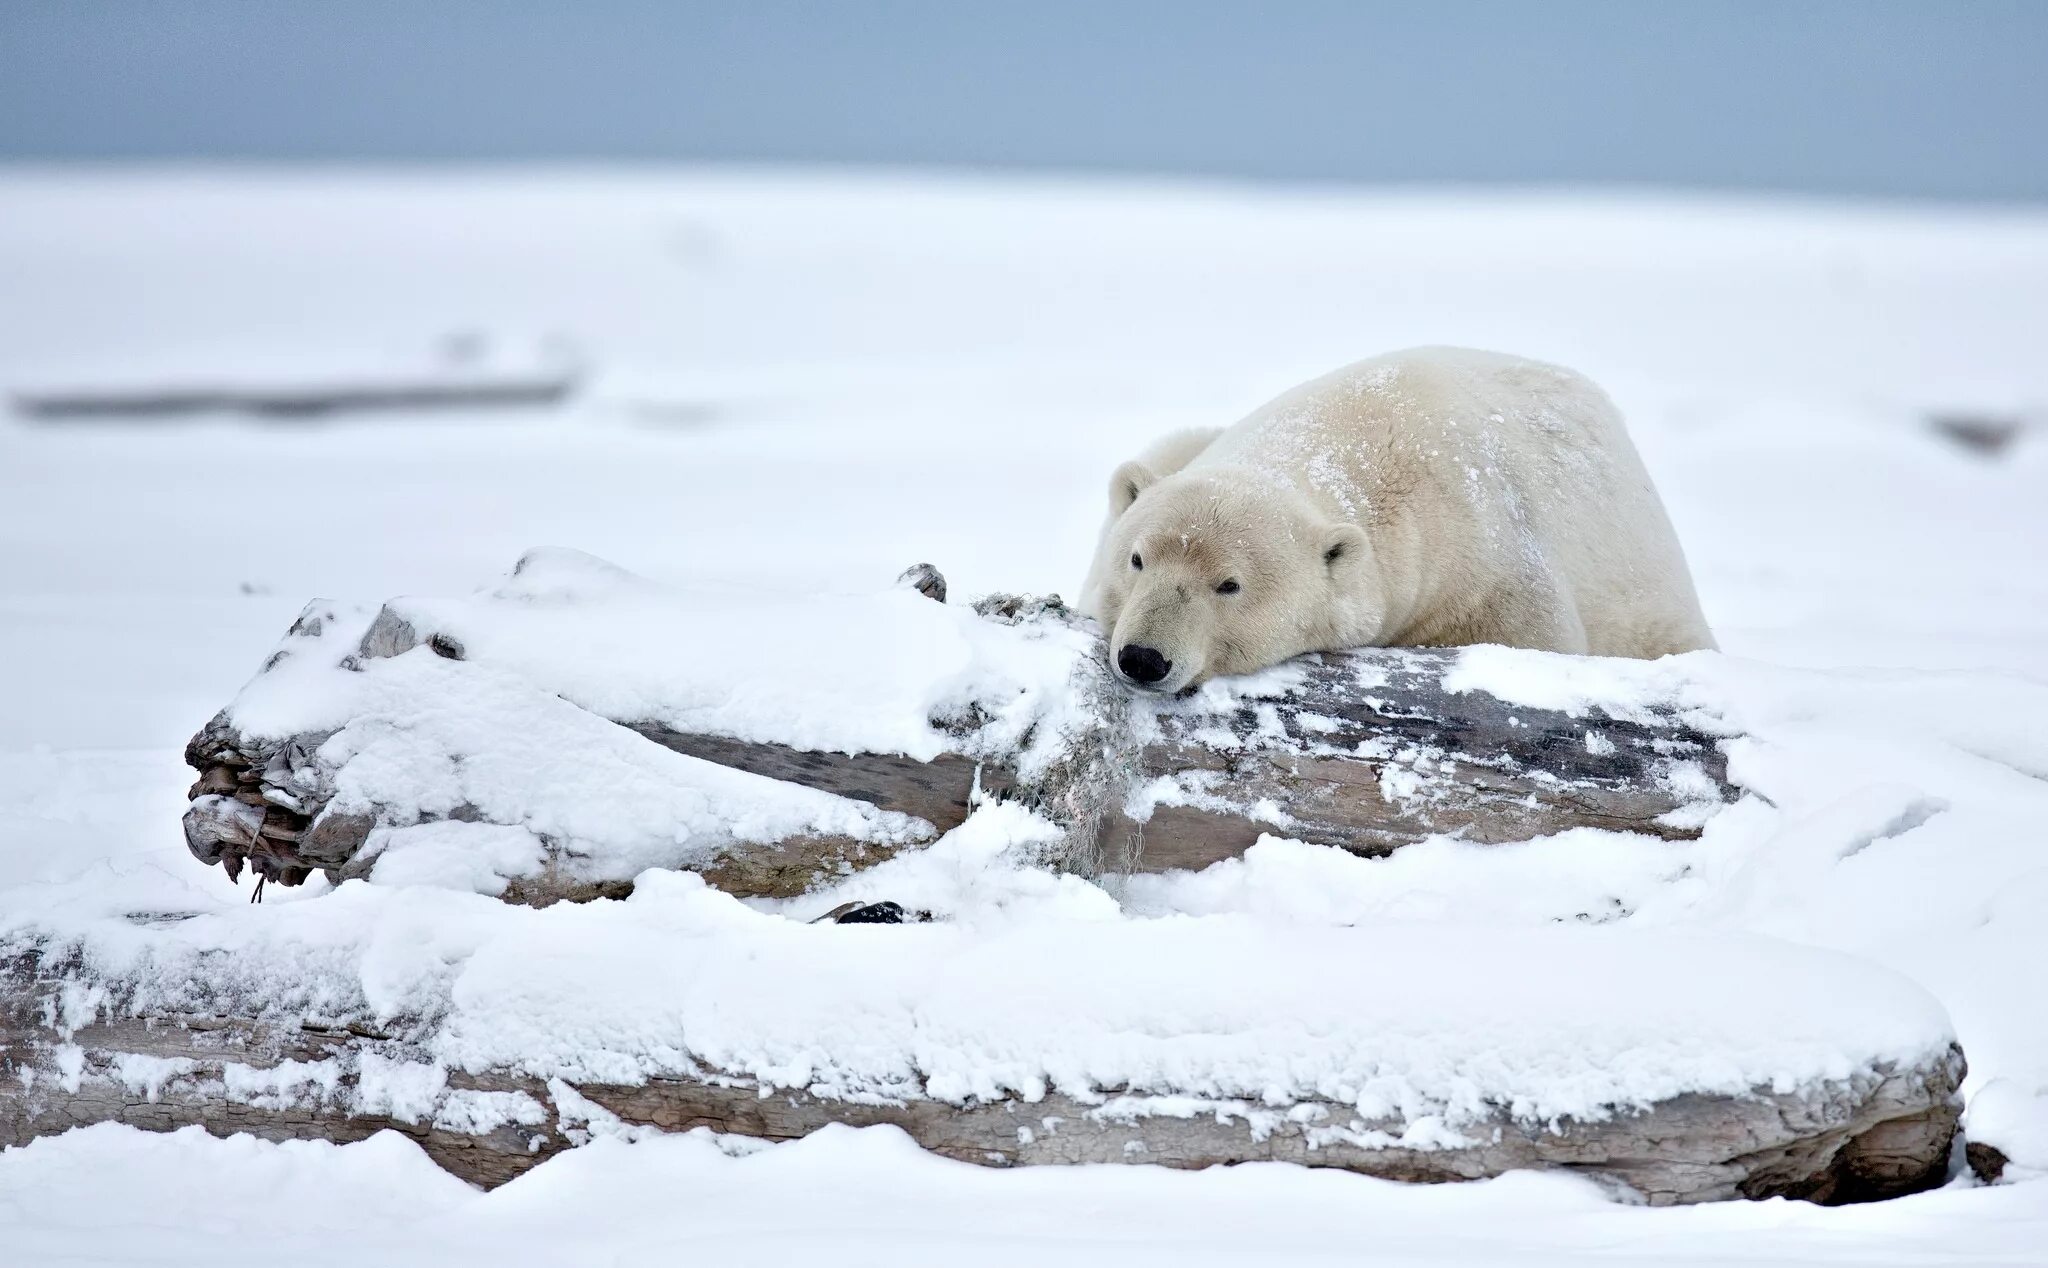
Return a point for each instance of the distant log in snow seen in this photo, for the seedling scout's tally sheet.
(1987, 434)
(1365, 750)
(466, 369)
(297, 400)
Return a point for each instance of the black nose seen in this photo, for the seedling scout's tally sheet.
(1142, 664)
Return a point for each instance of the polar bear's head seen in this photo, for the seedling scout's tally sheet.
(1223, 571)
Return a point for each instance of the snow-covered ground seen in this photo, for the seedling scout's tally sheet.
(798, 385)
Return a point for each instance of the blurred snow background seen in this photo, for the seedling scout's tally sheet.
(803, 379)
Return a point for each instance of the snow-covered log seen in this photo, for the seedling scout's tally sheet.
(1682, 1069)
(603, 725)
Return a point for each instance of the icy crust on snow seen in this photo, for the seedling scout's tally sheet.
(1424, 1027)
(854, 673)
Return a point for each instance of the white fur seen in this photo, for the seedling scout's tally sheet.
(1432, 497)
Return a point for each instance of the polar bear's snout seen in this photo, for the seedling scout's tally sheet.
(1143, 665)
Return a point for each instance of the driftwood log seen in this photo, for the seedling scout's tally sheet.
(1364, 750)
(299, 401)
(1871, 1137)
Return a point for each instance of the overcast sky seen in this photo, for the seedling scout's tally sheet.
(1944, 98)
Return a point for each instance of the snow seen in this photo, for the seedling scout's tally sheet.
(437, 737)
(740, 662)
(797, 385)
(871, 1198)
(511, 726)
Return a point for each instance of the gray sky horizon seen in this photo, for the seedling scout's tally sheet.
(1851, 98)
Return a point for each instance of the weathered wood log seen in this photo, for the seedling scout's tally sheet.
(298, 401)
(1987, 434)
(1876, 1134)
(1369, 752)
(1366, 750)
(231, 1075)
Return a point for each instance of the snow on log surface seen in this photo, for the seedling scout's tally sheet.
(772, 743)
(1684, 1068)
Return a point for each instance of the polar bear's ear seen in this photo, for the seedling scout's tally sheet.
(1126, 483)
(1345, 549)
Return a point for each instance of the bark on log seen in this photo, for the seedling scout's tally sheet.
(1869, 1137)
(1364, 750)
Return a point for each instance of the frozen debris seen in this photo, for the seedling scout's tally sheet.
(926, 580)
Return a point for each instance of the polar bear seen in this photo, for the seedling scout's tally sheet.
(1427, 498)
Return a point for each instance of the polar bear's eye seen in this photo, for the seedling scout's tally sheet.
(1226, 587)
(1136, 562)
